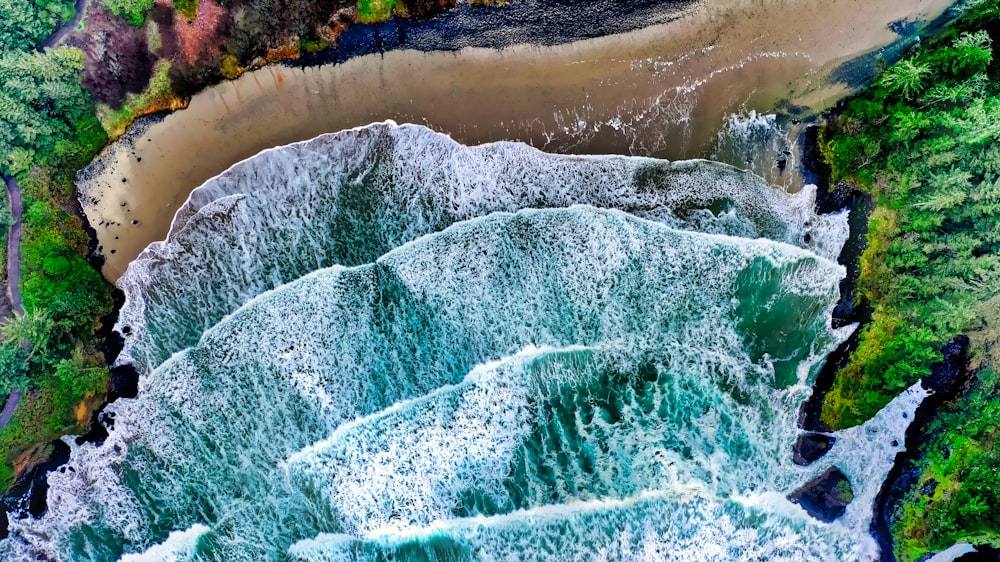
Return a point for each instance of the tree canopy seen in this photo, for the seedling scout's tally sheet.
(45, 115)
(25, 23)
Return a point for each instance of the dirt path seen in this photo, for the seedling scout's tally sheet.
(13, 278)
(14, 236)
(14, 246)
(70, 26)
(8, 409)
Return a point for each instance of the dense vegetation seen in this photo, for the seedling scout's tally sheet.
(134, 11)
(48, 129)
(925, 142)
(46, 118)
(25, 23)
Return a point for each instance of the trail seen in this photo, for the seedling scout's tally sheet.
(13, 277)
(14, 237)
(14, 246)
(70, 26)
(8, 409)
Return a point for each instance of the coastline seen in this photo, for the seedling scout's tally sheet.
(851, 307)
(948, 376)
(225, 93)
(565, 98)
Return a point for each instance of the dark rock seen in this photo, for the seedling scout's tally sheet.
(4, 523)
(826, 497)
(947, 377)
(27, 495)
(810, 413)
(815, 170)
(851, 307)
(96, 432)
(845, 313)
(811, 446)
(124, 383)
(110, 342)
(983, 553)
(946, 373)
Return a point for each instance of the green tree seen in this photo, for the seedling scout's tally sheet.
(134, 11)
(44, 113)
(32, 331)
(905, 78)
(24, 23)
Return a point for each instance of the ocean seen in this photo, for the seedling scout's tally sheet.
(381, 344)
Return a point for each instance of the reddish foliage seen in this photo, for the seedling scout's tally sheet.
(116, 57)
(199, 39)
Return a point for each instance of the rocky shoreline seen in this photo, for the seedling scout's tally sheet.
(947, 379)
(534, 22)
(850, 308)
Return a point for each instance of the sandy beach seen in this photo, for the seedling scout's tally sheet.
(662, 91)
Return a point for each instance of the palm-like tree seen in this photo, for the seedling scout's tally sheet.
(32, 330)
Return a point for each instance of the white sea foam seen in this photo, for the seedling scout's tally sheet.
(671, 521)
(558, 381)
(179, 547)
(677, 525)
(214, 427)
(349, 197)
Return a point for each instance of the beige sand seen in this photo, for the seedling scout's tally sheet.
(660, 91)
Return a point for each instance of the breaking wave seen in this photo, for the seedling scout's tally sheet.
(381, 344)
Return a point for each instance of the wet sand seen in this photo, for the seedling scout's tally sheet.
(662, 91)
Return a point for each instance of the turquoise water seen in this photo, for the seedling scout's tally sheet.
(382, 345)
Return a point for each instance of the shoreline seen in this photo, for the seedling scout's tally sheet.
(946, 381)
(851, 307)
(567, 98)
(948, 376)
(124, 383)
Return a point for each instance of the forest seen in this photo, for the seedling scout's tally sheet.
(923, 141)
(48, 130)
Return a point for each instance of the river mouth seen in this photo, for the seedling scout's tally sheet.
(663, 91)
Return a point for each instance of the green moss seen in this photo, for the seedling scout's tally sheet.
(843, 491)
(187, 7)
(158, 94)
(314, 45)
(371, 11)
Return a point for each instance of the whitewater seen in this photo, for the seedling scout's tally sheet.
(380, 344)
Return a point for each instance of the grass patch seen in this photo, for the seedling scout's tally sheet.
(187, 7)
(371, 11)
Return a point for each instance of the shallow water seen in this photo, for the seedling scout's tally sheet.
(663, 91)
